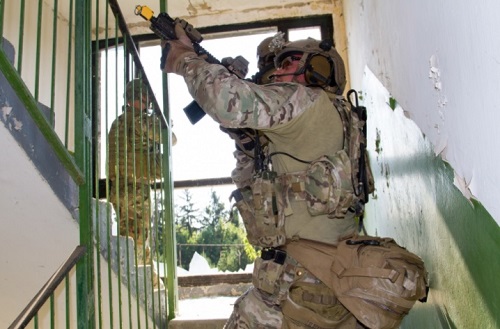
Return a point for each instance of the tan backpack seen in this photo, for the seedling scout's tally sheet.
(377, 280)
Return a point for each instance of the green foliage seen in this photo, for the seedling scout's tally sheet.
(187, 214)
(216, 234)
(392, 103)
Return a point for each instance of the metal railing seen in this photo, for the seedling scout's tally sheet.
(63, 67)
(47, 291)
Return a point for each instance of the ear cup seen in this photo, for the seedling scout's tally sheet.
(319, 70)
(264, 76)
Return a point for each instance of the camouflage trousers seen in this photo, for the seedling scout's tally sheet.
(288, 296)
(133, 207)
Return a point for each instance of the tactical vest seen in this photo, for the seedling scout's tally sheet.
(331, 185)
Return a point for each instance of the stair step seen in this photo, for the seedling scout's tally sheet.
(197, 324)
(206, 312)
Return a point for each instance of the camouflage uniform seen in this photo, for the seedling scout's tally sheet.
(303, 122)
(134, 163)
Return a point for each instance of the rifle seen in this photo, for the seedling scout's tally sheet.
(164, 26)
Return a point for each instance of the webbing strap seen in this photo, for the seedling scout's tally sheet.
(371, 272)
(308, 317)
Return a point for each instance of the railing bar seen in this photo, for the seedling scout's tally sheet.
(171, 264)
(138, 225)
(54, 53)
(125, 195)
(52, 311)
(203, 182)
(2, 12)
(150, 224)
(96, 150)
(20, 46)
(68, 304)
(27, 99)
(38, 46)
(157, 240)
(118, 215)
(134, 196)
(108, 212)
(68, 77)
(48, 289)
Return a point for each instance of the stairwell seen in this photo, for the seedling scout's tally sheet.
(120, 250)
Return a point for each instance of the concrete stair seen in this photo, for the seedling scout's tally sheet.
(205, 301)
(197, 324)
(120, 250)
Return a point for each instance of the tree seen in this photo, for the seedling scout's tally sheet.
(187, 214)
(219, 237)
(185, 229)
(211, 230)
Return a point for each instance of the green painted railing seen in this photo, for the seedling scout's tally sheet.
(66, 77)
(31, 106)
(30, 312)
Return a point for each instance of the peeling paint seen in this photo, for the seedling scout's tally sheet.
(434, 72)
(6, 112)
(441, 147)
(18, 125)
(378, 149)
(463, 186)
(192, 9)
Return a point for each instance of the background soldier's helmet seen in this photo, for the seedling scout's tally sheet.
(321, 63)
(135, 90)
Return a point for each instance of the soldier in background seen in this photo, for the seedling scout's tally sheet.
(134, 163)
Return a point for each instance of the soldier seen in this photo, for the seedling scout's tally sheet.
(244, 138)
(298, 203)
(134, 163)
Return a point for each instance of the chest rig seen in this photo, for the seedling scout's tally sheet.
(331, 185)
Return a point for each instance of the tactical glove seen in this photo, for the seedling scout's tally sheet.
(175, 50)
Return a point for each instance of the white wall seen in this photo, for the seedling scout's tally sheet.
(38, 233)
(51, 63)
(441, 61)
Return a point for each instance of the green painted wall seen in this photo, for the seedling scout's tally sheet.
(417, 203)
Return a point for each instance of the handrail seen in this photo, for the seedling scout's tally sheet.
(47, 290)
(25, 96)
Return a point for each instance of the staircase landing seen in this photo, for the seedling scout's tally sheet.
(203, 313)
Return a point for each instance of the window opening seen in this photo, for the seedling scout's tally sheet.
(202, 151)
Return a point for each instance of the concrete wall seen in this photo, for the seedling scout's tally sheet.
(433, 152)
(53, 59)
(439, 60)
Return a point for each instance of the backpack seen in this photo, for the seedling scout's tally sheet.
(354, 119)
(376, 279)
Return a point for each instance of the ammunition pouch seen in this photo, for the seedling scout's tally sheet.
(259, 206)
(325, 186)
(275, 272)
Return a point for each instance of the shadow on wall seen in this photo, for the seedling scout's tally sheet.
(417, 203)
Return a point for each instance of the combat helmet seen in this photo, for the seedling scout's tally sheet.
(320, 62)
(135, 89)
(266, 51)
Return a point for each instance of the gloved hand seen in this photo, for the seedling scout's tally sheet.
(174, 50)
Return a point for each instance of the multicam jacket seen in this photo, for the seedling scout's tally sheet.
(297, 120)
(134, 147)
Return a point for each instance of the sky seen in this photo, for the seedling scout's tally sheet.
(202, 150)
